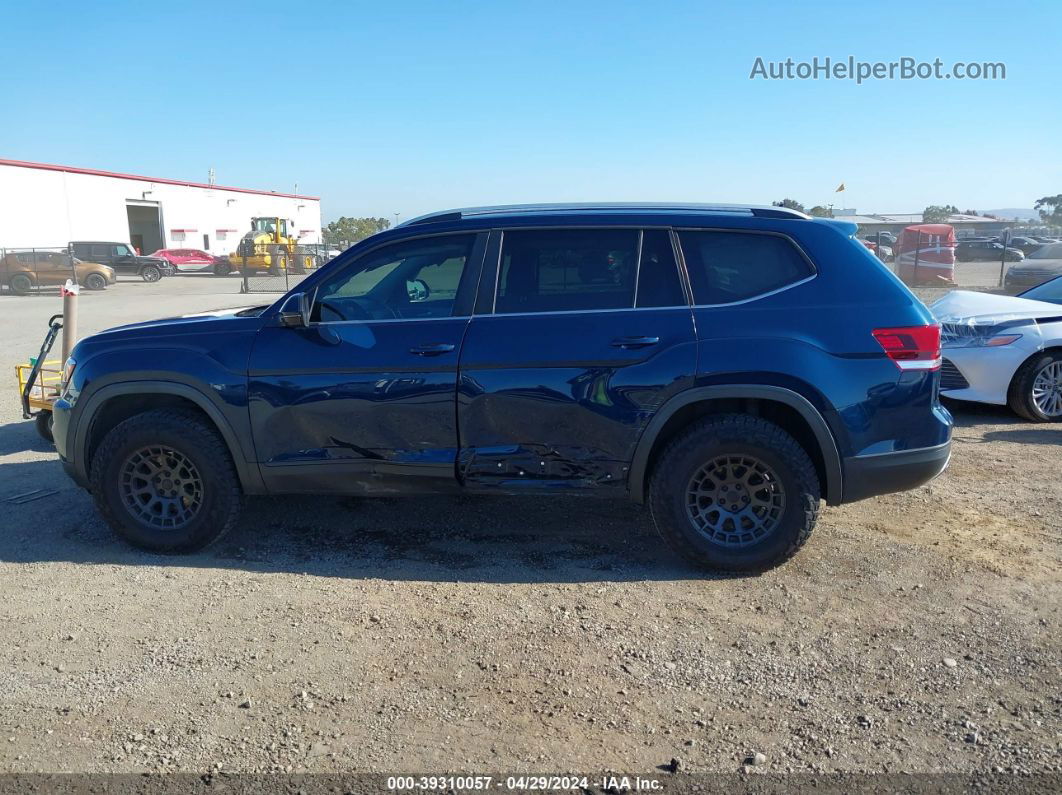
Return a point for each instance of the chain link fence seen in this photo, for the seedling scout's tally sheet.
(276, 268)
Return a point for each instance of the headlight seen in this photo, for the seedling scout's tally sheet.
(979, 340)
(68, 373)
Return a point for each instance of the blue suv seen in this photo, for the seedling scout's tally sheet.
(731, 367)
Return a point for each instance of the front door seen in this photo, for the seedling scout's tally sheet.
(586, 334)
(364, 396)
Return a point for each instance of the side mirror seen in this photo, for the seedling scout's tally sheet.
(295, 313)
(417, 290)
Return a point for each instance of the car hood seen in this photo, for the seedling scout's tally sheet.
(1033, 265)
(968, 308)
(191, 321)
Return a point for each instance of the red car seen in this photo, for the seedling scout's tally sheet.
(187, 260)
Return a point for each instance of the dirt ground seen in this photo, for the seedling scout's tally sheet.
(917, 632)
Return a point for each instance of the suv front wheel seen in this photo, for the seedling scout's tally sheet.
(734, 492)
(165, 482)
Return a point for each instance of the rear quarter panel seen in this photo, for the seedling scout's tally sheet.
(816, 339)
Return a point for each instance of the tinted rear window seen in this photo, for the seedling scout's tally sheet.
(560, 270)
(732, 266)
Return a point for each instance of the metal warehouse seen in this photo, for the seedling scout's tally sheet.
(46, 206)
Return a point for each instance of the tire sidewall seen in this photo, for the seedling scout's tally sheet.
(45, 422)
(95, 282)
(668, 502)
(1026, 387)
(202, 529)
(150, 273)
(20, 284)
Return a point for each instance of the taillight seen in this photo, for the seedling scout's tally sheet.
(911, 347)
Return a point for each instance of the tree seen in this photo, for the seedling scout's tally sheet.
(347, 231)
(938, 213)
(791, 204)
(821, 212)
(1050, 208)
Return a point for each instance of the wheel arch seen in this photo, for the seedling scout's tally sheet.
(1054, 347)
(797, 414)
(115, 403)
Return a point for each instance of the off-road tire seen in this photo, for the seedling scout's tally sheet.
(150, 273)
(20, 284)
(734, 434)
(189, 434)
(95, 282)
(44, 423)
(278, 263)
(1019, 395)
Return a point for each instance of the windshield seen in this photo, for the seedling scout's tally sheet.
(1048, 291)
(1050, 251)
(269, 225)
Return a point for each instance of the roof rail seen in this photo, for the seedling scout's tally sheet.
(515, 209)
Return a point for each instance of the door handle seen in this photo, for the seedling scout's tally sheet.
(634, 342)
(432, 349)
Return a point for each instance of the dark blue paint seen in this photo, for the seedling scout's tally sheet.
(527, 403)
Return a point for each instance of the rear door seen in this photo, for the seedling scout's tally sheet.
(579, 335)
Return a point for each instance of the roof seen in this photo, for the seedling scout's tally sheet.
(602, 208)
(161, 180)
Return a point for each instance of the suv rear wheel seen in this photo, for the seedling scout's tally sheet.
(164, 480)
(734, 492)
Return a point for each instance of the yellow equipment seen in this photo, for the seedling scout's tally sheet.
(270, 246)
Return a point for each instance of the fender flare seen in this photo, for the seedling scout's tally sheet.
(250, 477)
(636, 480)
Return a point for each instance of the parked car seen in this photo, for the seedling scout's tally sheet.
(887, 238)
(22, 271)
(188, 260)
(122, 258)
(1043, 264)
(539, 350)
(985, 251)
(1004, 349)
(1027, 244)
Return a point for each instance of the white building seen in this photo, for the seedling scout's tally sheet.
(47, 206)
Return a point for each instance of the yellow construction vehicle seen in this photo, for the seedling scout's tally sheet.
(271, 246)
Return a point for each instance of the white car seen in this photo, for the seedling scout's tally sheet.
(1004, 349)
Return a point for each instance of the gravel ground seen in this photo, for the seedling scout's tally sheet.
(917, 632)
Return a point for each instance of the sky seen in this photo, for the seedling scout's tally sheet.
(410, 107)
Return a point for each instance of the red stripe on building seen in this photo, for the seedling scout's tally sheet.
(161, 180)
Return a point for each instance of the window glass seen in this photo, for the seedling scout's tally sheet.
(732, 266)
(122, 251)
(562, 270)
(414, 279)
(1050, 251)
(658, 278)
(99, 251)
(1048, 291)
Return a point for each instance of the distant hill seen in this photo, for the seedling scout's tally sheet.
(1013, 212)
